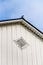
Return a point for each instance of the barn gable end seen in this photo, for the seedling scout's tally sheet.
(11, 53)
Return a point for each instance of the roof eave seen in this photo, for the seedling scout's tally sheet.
(24, 22)
(33, 29)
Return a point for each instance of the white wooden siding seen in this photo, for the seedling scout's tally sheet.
(11, 54)
(3, 46)
(0, 46)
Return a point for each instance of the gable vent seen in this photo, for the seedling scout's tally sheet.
(21, 43)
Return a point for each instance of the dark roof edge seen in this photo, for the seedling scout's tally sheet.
(25, 21)
(32, 25)
(10, 19)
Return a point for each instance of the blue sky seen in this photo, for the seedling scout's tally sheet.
(31, 9)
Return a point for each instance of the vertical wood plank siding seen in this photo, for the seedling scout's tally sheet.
(0, 46)
(11, 54)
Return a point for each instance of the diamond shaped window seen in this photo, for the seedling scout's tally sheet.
(21, 43)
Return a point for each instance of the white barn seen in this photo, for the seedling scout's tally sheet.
(20, 43)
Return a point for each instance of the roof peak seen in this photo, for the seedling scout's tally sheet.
(24, 22)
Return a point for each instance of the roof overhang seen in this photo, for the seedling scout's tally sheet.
(25, 23)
